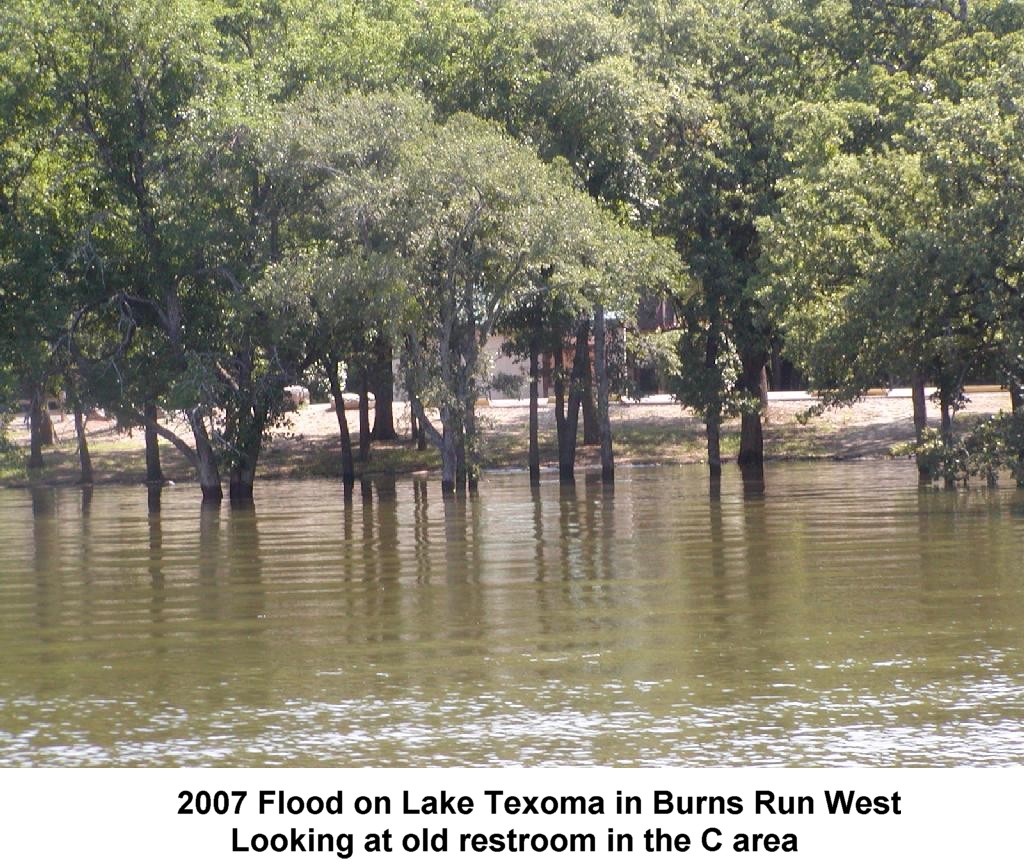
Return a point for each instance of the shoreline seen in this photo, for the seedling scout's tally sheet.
(305, 443)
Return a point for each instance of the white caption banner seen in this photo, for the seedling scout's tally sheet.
(539, 817)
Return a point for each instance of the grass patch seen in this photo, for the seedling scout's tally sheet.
(317, 457)
(12, 466)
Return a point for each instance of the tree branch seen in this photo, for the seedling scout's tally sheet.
(166, 433)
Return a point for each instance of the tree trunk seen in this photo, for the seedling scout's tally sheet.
(751, 429)
(591, 413)
(35, 412)
(920, 420)
(751, 440)
(241, 481)
(468, 386)
(947, 418)
(348, 471)
(534, 454)
(423, 425)
(570, 427)
(461, 474)
(753, 479)
(603, 419)
(154, 472)
(449, 457)
(384, 389)
(469, 437)
(243, 432)
(920, 405)
(206, 460)
(558, 366)
(364, 416)
(248, 440)
(84, 461)
(1016, 405)
(713, 417)
(715, 486)
(713, 427)
(457, 419)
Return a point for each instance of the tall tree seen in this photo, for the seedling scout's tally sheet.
(888, 257)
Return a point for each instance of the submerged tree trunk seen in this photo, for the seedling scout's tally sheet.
(534, 451)
(461, 470)
(753, 479)
(348, 471)
(603, 419)
(202, 456)
(920, 419)
(444, 438)
(713, 414)
(241, 481)
(715, 486)
(754, 355)
(35, 413)
(755, 381)
(558, 366)
(946, 417)
(470, 392)
(154, 472)
(469, 437)
(244, 426)
(449, 455)
(751, 439)
(570, 426)
(1016, 406)
(384, 390)
(205, 460)
(246, 434)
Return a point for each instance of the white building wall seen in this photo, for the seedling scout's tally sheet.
(499, 363)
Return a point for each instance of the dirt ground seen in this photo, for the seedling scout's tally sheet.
(305, 443)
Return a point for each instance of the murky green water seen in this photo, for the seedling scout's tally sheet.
(846, 617)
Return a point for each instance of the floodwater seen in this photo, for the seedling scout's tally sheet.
(845, 617)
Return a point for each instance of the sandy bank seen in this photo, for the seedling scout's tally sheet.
(305, 443)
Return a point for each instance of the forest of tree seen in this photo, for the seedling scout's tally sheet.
(203, 201)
